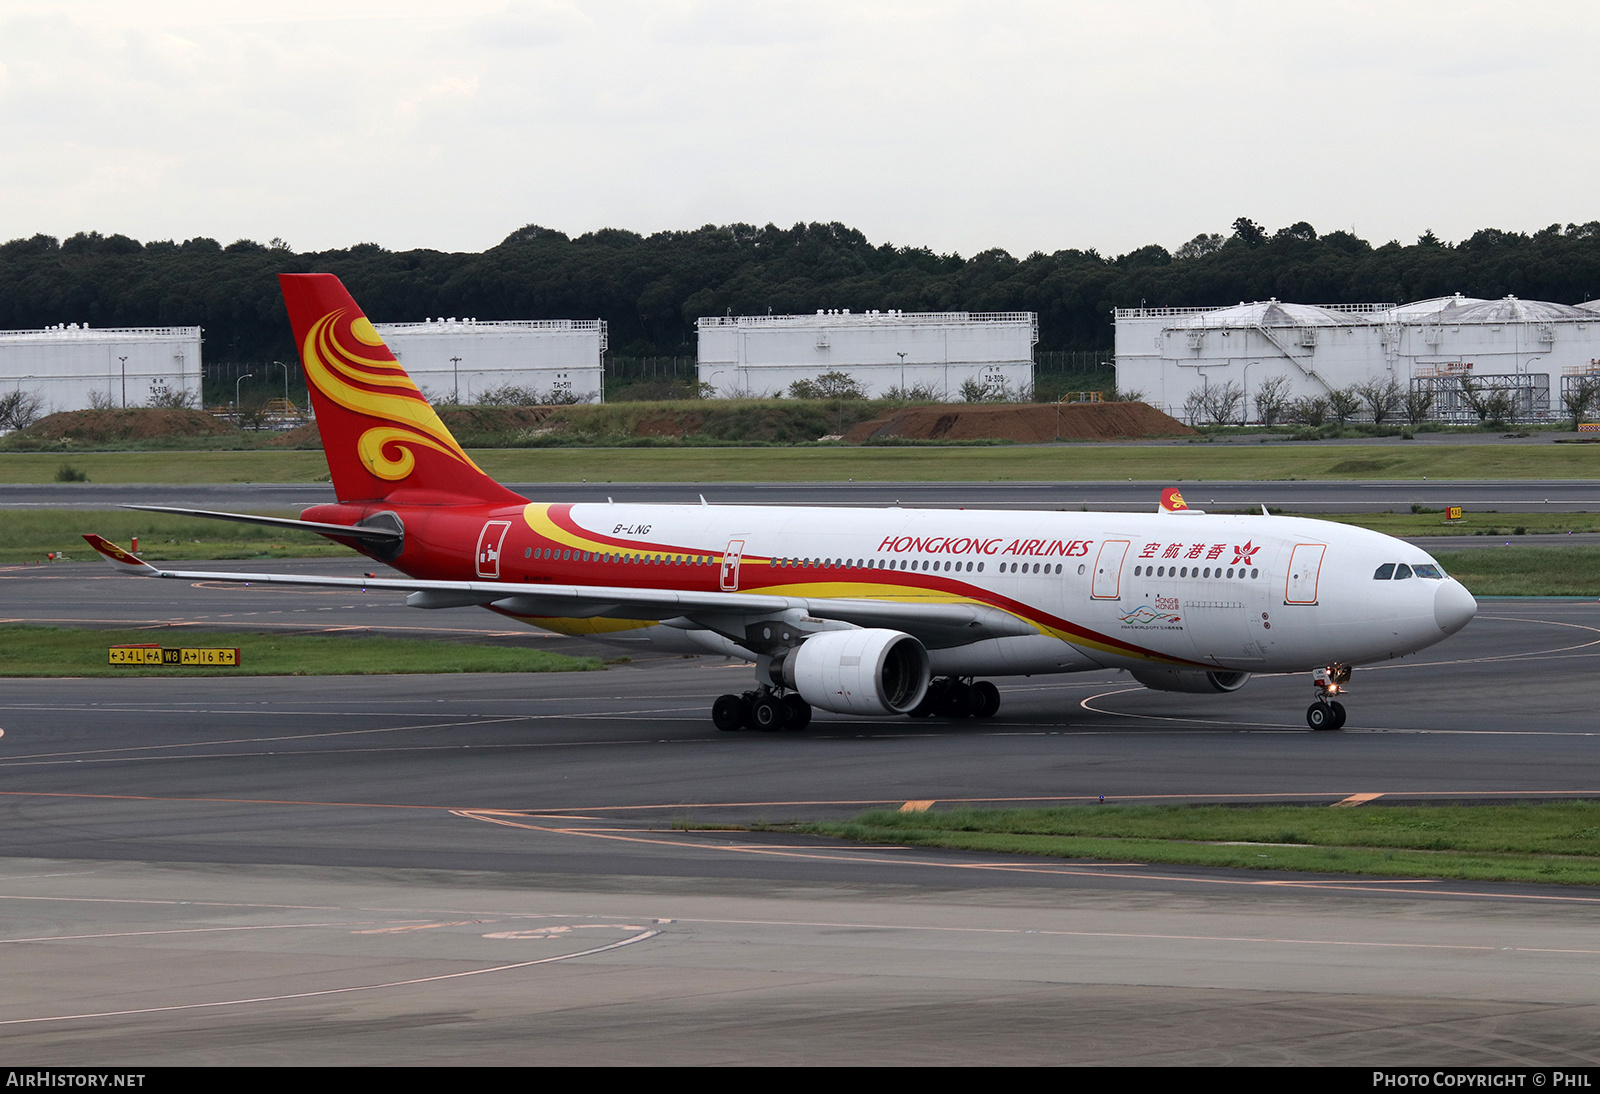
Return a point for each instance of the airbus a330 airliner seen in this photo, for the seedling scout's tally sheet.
(856, 611)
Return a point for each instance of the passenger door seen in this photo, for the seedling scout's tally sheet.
(1108, 569)
(1305, 569)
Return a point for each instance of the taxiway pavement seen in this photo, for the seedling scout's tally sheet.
(483, 868)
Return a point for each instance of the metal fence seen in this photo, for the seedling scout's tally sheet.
(222, 383)
(651, 368)
(1510, 397)
(1074, 360)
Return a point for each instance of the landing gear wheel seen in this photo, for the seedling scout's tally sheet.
(1329, 716)
(768, 714)
(728, 713)
(959, 701)
(988, 697)
(926, 707)
(799, 712)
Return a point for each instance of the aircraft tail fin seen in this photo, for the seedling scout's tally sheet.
(1172, 502)
(381, 437)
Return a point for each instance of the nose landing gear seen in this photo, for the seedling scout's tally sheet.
(1325, 715)
(1327, 712)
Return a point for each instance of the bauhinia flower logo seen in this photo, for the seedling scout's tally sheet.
(1244, 555)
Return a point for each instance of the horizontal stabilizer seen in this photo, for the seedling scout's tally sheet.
(122, 561)
(347, 531)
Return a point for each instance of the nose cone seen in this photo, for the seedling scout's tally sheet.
(1453, 607)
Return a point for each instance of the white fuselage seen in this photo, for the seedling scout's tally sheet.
(1097, 590)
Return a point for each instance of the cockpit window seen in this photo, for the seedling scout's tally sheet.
(1428, 570)
(1402, 571)
(1385, 572)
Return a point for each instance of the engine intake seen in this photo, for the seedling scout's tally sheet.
(1191, 680)
(866, 671)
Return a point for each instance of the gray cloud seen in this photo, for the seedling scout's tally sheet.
(953, 124)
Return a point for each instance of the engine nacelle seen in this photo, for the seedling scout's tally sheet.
(1191, 680)
(866, 671)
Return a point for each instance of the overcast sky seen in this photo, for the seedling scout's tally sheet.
(960, 126)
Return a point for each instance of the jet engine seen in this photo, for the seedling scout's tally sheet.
(864, 671)
(1192, 680)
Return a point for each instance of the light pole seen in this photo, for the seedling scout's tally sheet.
(236, 384)
(124, 361)
(902, 354)
(456, 361)
(285, 368)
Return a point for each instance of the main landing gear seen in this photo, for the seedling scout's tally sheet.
(950, 697)
(761, 709)
(1327, 712)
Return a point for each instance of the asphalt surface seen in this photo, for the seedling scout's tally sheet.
(434, 869)
(1523, 496)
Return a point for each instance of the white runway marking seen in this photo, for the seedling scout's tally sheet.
(414, 982)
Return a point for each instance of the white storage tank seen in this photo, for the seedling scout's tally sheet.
(938, 353)
(75, 367)
(1445, 345)
(463, 360)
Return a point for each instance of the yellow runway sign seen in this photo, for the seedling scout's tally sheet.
(159, 655)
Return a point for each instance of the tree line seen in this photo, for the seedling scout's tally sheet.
(652, 288)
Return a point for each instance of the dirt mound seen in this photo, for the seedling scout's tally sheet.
(1028, 423)
(301, 436)
(669, 425)
(472, 425)
(98, 426)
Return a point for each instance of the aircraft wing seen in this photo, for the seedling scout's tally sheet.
(936, 624)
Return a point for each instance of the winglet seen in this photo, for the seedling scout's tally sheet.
(121, 561)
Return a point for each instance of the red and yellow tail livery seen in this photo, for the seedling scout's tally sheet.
(383, 440)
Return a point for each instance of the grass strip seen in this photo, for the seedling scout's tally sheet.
(830, 463)
(1525, 571)
(1553, 842)
(176, 467)
(63, 651)
(31, 535)
(1478, 523)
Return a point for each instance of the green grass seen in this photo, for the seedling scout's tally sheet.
(1544, 842)
(1475, 523)
(241, 442)
(1525, 571)
(1063, 463)
(60, 651)
(29, 535)
(833, 463)
(167, 467)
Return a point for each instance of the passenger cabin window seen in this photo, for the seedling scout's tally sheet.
(1385, 572)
